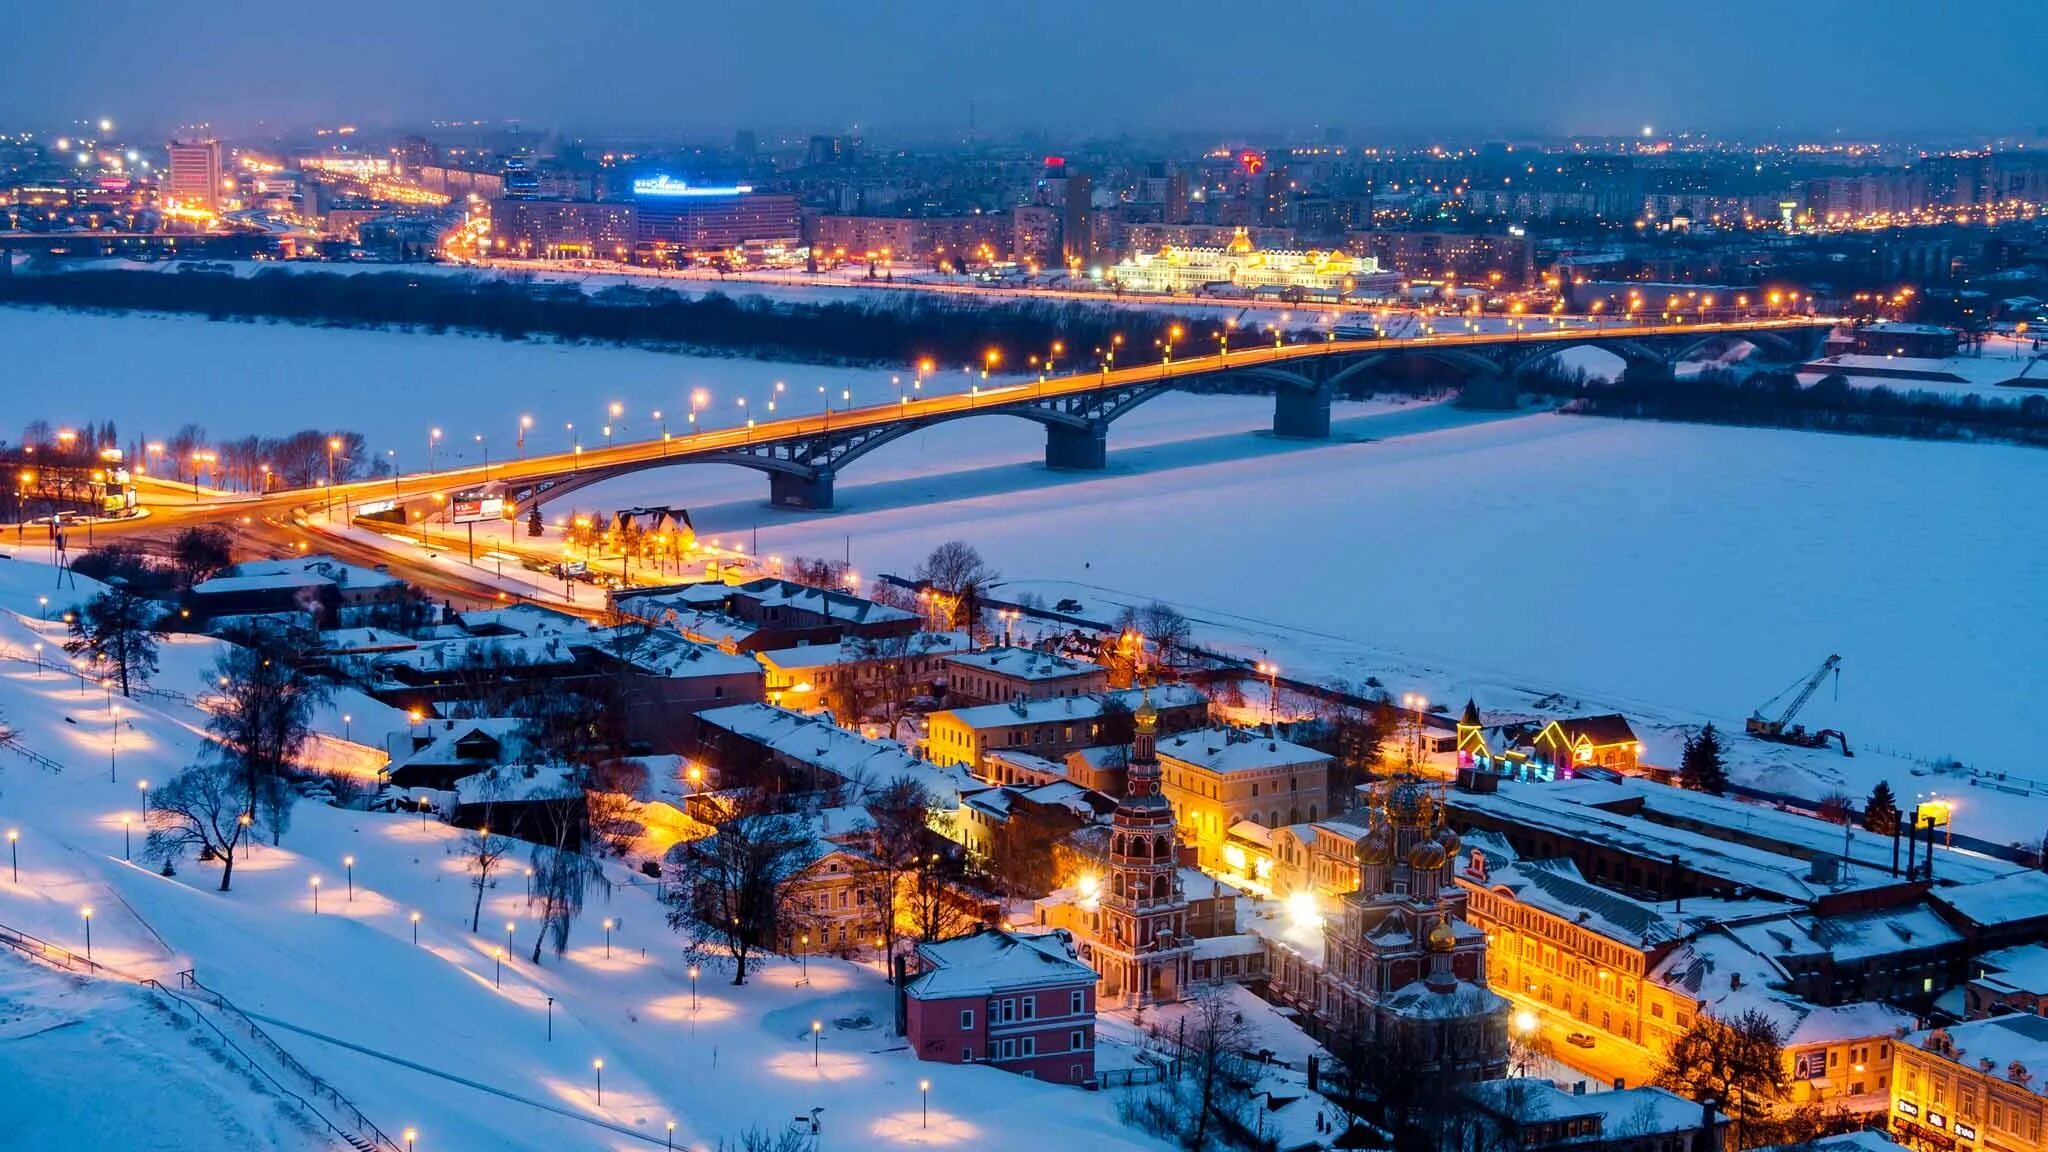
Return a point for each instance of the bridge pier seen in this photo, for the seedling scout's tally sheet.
(812, 491)
(1302, 413)
(1082, 449)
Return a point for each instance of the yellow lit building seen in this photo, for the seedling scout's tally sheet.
(1633, 977)
(1216, 777)
(1975, 1087)
(1240, 264)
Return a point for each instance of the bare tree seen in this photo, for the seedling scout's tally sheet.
(728, 888)
(937, 901)
(610, 791)
(899, 838)
(483, 849)
(204, 807)
(955, 572)
(1162, 625)
(263, 717)
(1205, 1101)
(121, 630)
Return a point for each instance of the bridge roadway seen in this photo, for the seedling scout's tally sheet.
(802, 454)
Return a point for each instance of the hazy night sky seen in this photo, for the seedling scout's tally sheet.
(1875, 67)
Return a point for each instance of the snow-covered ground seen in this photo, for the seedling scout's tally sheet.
(151, 373)
(2006, 368)
(428, 1035)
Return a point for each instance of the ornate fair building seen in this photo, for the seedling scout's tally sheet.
(1244, 266)
(1398, 967)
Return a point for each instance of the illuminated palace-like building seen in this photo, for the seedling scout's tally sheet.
(1240, 264)
(1399, 967)
(1144, 948)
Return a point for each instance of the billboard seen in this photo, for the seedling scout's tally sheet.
(468, 508)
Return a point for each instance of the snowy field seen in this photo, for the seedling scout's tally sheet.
(428, 1035)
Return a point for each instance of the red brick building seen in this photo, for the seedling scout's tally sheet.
(1020, 1003)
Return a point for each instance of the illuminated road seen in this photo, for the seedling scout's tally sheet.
(179, 506)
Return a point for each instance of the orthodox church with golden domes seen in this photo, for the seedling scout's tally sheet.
(1399, 968)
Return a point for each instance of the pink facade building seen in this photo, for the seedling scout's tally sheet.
(1021, 1003)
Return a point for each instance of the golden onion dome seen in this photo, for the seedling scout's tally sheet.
(1442, 938)
(1450, 841)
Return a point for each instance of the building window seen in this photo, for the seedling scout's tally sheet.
(1009, 1050)
(1077, 1002)
(967, 1019)
(1028, 1046)
(967, 1055)
(1077, 1040)
(1028, 1010)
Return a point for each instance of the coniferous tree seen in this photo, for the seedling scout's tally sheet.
(1702, 768)
(1881, 811)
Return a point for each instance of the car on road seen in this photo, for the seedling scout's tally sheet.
(1579, 1040)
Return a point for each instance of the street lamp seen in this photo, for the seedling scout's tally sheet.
(525, 422)
(349, 862)
(671, 1136)
(85, 914)
(598, 1066)
(415, 929)
(316, 895)
(607, 937)
(14, 859)
(410, 1135)
(499, 979)
(433, 438)
(693, 969)
(125, 822)
(817, 1033)
(925, 1087)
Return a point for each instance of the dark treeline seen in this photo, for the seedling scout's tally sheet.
(1777, 400)
(947, 330)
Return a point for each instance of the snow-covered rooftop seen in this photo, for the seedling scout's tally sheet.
(2010, 899)
(1624, 1112)
(1023, 664)
(339, 572)
(2023, 969)
(993, 960)
(2003, 1040)
(1070, 707)
(228, 585)
(847, 754)
(1224, 751)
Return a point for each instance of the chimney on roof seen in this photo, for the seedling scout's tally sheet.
(1735, 981)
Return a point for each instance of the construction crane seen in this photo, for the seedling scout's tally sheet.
(1781, 730)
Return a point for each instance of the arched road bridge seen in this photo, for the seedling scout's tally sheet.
(803, 456)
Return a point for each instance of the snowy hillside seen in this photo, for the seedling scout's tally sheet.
(430, 1035)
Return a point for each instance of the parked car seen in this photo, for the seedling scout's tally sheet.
(1579, 1040)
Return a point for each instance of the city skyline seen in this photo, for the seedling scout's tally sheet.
(924, 71)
